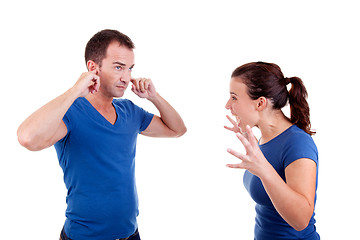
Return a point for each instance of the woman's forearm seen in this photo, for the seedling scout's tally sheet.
(293, 207)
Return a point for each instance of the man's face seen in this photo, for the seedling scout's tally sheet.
(115, 70)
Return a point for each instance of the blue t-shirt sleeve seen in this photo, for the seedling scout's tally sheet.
(67, 121)
(146, 118)
(143, 117)
(300, 146)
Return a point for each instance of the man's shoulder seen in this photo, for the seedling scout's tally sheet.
(125, 105)
(122, 101)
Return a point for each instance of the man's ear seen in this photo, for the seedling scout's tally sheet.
(92, 67)
(261, 103)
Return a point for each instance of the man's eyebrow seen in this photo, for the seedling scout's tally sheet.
(233, 93)
(119, 63)
(122, 64)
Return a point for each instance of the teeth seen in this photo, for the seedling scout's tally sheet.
(238, 120)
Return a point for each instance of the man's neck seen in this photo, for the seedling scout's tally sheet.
(100, 101)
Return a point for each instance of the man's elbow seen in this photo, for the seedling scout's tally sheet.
(28, 142)
(300, 227)
(301, 224)
(181, 132)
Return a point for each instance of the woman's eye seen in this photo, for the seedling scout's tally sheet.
(233, 98)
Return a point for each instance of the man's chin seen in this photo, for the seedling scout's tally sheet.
(119, 94)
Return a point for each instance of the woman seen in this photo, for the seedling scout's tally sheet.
(282, 167)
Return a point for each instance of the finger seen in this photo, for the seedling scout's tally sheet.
(231, 120)
(228, 128)
(141, 85)
(235, 166)
(244, 141)
(237, 154)
(135, 83)
(133, 88)
(97, 82)
(251, 137)
(93, 71)
(94, 83)
(147, 84)
(94, 88)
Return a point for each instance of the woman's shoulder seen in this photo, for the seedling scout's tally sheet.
(297, 135)
(299, 144)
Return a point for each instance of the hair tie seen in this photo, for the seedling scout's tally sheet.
(287, 80)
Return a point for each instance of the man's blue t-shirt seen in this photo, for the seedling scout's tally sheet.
(291, 145)
(98, 161)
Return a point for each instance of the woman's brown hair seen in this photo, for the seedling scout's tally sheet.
(266, 80)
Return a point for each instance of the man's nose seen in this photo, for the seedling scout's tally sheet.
(126, 76)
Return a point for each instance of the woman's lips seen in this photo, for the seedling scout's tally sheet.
(238, 120)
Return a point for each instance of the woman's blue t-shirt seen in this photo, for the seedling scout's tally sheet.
(98, 161)
(290, 145)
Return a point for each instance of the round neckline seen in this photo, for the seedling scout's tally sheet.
(276, 137)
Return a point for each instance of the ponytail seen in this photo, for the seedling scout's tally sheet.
(267, 80)
(299, 107)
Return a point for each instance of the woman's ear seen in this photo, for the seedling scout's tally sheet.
(261, 103)
(92, 67)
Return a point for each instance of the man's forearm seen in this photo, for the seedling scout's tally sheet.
(36, 132)
(169, 115)
(44, 127)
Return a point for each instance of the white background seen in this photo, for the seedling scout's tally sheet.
(188, 49)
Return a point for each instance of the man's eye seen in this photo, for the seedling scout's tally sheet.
(130, 69)
(118, 67)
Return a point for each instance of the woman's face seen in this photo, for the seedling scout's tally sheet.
(241, 105)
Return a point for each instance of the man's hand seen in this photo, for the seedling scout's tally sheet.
(87, 83)
(143, 87)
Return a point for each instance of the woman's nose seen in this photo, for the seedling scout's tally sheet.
(227, 106)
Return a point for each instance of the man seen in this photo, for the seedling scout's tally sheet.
(95, 139)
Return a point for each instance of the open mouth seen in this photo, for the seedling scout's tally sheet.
(238, 120)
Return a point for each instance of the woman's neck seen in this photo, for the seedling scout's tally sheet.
(273, 124)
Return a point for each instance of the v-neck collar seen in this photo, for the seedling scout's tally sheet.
(101, 116)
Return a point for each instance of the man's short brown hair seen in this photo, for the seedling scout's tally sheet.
(96, 47)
